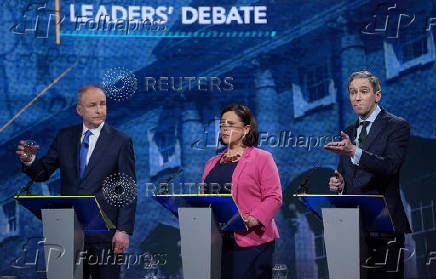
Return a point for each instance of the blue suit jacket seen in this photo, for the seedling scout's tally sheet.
(113, 153)
(379, 167)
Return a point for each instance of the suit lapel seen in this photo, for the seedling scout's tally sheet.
(100, 146)
(351, 131)
(353, 135)
(239, 169)
(376, 128)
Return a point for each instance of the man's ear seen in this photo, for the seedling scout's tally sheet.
(79, 110)
(377, 96)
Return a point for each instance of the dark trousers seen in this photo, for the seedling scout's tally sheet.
(385, 256)
(100, 262)
(246, 262)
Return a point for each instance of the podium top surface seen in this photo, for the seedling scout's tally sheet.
(225, 209)
(375, 214)
(87, 208)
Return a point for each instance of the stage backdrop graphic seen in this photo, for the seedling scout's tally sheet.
(169, 67)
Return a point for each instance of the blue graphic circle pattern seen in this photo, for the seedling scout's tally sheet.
(119, 190)
(119, 84)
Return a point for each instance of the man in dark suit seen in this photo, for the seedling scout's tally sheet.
(86, 155)
(372, 151)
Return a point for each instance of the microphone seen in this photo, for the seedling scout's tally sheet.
(26, 188)
(303, 188)
(164, 184)
(166, 190)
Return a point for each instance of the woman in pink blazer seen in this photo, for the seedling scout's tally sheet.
(251, 176)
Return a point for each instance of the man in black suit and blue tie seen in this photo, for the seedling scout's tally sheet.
(86, 155)
(371, 152)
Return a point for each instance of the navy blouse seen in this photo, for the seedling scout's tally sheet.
(219, 179)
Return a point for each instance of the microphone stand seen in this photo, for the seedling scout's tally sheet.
(165, 184)
(303, 188)
(166, 190)
(25, 188)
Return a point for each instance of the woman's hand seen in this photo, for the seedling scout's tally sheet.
(251, 222)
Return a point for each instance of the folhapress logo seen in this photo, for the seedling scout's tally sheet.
(388, 20)
(37, 19)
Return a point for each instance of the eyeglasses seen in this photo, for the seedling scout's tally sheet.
(230, 125)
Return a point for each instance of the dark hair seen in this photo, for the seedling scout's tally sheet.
(247, 117)
(84, 89)
(375, 81)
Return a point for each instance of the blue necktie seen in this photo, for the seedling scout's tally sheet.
(84, 152)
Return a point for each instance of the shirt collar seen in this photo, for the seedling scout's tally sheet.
(373, 115)
(95, 131)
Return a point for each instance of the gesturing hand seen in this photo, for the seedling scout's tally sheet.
(336, 183)
(343, 147)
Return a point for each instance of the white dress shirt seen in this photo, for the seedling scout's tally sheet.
(92, 139)
(356, 158)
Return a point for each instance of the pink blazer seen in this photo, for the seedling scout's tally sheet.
(257, 191)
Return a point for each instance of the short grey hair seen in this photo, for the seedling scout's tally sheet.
(375, 81)
(84, 89)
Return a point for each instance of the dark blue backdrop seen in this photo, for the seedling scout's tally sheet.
(169, 80)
